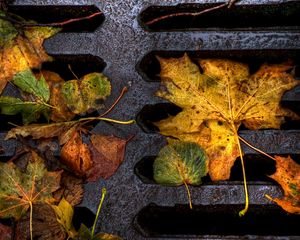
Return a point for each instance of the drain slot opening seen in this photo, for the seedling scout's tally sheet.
(254, 17)
(54, 14)
(216, 220)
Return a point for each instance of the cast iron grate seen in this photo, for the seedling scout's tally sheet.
(136, 207)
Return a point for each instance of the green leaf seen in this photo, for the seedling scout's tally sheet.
(30, 111)
(106, 236)
(180, 163)
(64, 212)
(86, 94)
(7, 31)
(27, 82)
(85, 234)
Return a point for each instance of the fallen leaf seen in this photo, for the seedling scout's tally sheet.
(86, 94)
(20, 189)
(5, 231)
(64, 213)
(76, 155)
(45, 225)
(180, 163)
(21, 51)
(30, 111)
(107, 155)
(61, 111)
(288, 176)
(37, 131)
(216, 102)
(71, 189)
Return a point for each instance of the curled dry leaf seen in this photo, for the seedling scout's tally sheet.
(21, 51)
(288, 176)
(37, 131)
(107, 154)
(76, 155)
(45, 225)
(216, 102)
(20, 189)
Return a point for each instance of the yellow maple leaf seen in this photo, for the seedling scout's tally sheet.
(21, 50)
(216, 102)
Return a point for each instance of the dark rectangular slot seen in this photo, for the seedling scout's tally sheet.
(48, 14)
(215, 220)
(257, 167)
(149, 66)
(240, 16)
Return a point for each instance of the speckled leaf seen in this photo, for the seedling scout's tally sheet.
(21, 50)
(217, 100)
(288, 176)
(179, 163)
(86, 94)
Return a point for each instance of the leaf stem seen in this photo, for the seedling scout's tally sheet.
(30, 220)
(189, 194)
(256, 149)
(124, 90)
(244, 211)
(98, 211)
(107, 120)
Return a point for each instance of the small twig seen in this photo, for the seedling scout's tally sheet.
(256, 149)
(56, 24)
(227, 4)
(124, 90)
(71, 70)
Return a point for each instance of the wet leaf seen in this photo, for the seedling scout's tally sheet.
(216, 102)
(86, 94)
(179, 163)
(85, 234)
(288, 176)
(21, 51)
(76, 155)
(19, 189)
(45, 225)
(107, 154)
(64, 212)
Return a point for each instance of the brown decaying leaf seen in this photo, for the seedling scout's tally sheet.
(71, 189)
(76, 155)
(288, 176)
(45, 225)
(107, 154)
(61, 112)
(37, 131)
(5, 232)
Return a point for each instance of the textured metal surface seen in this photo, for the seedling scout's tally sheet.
(122, 43)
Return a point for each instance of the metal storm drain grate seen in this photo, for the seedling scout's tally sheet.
(123, 43)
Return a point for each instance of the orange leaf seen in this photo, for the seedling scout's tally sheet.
(288, 176)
